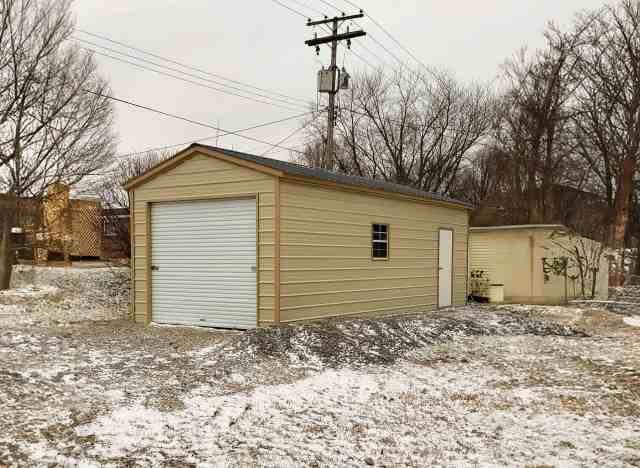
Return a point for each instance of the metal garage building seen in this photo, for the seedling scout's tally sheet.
(227, 239)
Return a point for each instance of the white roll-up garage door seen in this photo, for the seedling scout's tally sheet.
(204, 263)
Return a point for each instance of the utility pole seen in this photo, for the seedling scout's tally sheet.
(329, 84)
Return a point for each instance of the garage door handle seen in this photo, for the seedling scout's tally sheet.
(253, 269)
(155, 268)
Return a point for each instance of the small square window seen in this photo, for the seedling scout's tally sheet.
(380, 241)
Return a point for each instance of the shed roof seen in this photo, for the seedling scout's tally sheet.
(519, 227)
(299, 170)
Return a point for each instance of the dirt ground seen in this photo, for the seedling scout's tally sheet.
(478, 386)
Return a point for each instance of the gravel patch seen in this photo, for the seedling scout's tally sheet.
(360, 341)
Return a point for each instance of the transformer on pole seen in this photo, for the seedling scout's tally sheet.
(331, 80)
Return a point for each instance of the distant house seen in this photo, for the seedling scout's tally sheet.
(512, 256)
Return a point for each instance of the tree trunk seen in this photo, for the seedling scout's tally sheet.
(6, 253)
(533, 205)
(621, 216)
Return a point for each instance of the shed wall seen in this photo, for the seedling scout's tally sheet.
(553, 290)
(514, 258)
(203, 177)
(325, 244)
(505, 256)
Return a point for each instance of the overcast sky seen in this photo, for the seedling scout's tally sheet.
(261, 43)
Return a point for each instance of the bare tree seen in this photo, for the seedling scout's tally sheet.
(484, 175)
(608, 101)
(409, 128)
(55, 121)
(534, 125)
(584, 258)
(115, 200)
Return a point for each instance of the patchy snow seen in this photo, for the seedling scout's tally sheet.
(48, 295)
(477, 386)
(31, 291)
(632, 321)
(410, 415)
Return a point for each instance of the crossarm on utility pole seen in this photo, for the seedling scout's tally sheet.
(338, 18)
(335, 37)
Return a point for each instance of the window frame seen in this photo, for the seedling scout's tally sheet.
(374, 241)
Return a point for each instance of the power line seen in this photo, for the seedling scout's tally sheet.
(304, 5)
(253, 127)
(330, 5)
(388, 33)
(183, 72)
(293, 10)
(291, 135)
(398, 43)
(187, 66)
(211, 137)
(185, 119)
(202, 85)
(351, 3)
(286, 105)
(373, 38)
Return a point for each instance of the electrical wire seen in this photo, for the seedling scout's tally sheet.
(399, 43)
(271, 145)
(187, 66)
(186, 119)
(291, 135)
(369, 35)
(293, 10)
(178, 71)
(304, 5)
(202, 85)
(388, 34)
(211, 137)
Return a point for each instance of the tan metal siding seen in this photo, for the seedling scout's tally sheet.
(326, 265)
(553, 290)
(514, 258)
(505, 256)
(203, 177)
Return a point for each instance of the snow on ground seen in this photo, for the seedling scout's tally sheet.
(409, 414)
(31, 290)
(479, 386)
(43, 295)
(632, 321)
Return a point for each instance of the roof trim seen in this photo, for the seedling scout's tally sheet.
(518, 227)
(299, 173)
(187, 153)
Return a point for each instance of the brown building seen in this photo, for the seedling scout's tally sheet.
(58, 227)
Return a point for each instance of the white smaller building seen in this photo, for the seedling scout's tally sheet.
(512, 256)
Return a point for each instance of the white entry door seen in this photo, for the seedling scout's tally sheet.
(445, 268)
(203, 256)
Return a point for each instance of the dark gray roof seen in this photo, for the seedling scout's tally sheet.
(323, 174)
